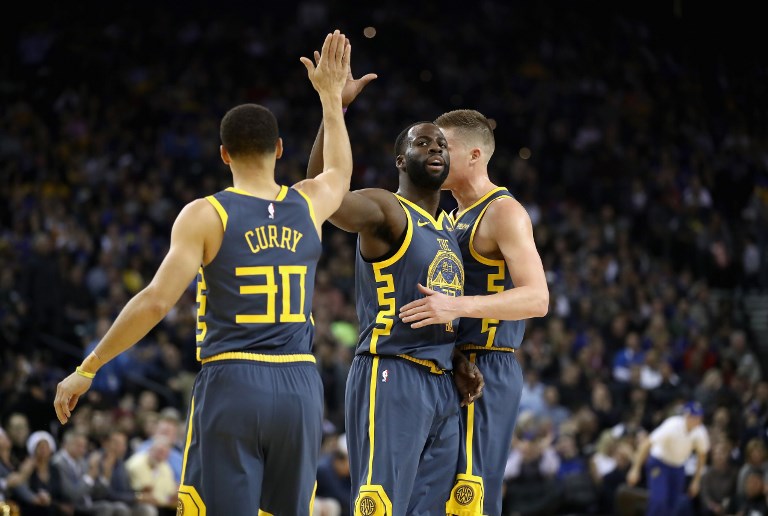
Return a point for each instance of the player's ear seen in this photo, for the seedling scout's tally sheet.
(224, 155)
(476, 153)
(279, 148)
(400, 161)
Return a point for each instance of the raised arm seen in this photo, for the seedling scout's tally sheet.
(327, 188)
(196, 223)
(356, 211)
(507, 223)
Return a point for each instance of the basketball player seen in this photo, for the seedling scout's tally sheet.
(255, 423)
(504, 285)
(401, 402)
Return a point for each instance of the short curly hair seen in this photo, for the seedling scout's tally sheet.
(248, 130)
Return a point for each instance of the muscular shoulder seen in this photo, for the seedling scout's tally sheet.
(503, 219)
(507, 212)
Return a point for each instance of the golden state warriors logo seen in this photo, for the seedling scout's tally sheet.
(367, 506)
(446, 273)
(464, 495)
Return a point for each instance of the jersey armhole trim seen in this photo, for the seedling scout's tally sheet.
(406, 242)
(219, 209)
(477, 256)
(309, 205)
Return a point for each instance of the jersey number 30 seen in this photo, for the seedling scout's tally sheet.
(271, 288)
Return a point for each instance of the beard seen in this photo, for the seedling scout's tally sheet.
(421, 177)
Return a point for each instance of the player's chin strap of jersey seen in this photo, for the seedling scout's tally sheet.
(466, 496)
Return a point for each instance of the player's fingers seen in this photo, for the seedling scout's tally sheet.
(424, 322)
(326, 45)
(365, 79)
(73, 402)
(57, 408)
(412, 305)
(332, 44)
(416, 312)
(308, 64)
(347, 56)
(340, 39)
(424, 290)
(417, 316)
(317, 57)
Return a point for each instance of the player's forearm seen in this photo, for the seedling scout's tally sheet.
(315, 164)
(337, 151)
(511, 305)
(140, 315)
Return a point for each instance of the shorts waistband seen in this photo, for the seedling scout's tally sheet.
(260, 357)
(430, 365)
(475, 347)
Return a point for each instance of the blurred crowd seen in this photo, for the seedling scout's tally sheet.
(641, 158)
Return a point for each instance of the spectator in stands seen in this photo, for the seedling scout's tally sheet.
(113, 476)
(755, 459)
(152, 476)
(34, 494)
(74, 479)
(718, 483)
(529, 477)
(752, 500)
(169, 426)
(334, 487)
(18, 432)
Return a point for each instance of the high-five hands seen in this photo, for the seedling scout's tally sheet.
(331, 70)
(352, 86)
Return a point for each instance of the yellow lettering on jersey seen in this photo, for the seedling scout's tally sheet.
(272, 230)
(490, 325)
(266, 237)
(285, 240)
(286, 271)
(296, 237)
(262, 235)
(444, 244)
(201, 299)
(269, 289)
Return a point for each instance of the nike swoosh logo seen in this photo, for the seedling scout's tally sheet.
(423, 223)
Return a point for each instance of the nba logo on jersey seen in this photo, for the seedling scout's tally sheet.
(384, 375)
(271, 210)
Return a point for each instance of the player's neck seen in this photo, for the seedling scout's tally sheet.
(467, 191)
(427, 200)
(259, 185)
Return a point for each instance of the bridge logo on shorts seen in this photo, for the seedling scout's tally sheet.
(179, 508)
(464, 495)
(367, 506)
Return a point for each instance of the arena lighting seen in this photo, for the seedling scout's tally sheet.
(369, 32)
(524, 153)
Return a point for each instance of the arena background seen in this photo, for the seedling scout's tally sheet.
(634, 135)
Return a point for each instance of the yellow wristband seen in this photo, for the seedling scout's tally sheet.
(85, 374)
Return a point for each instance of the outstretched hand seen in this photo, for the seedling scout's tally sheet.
(352, 87)
(433, 308)
(329, 72)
